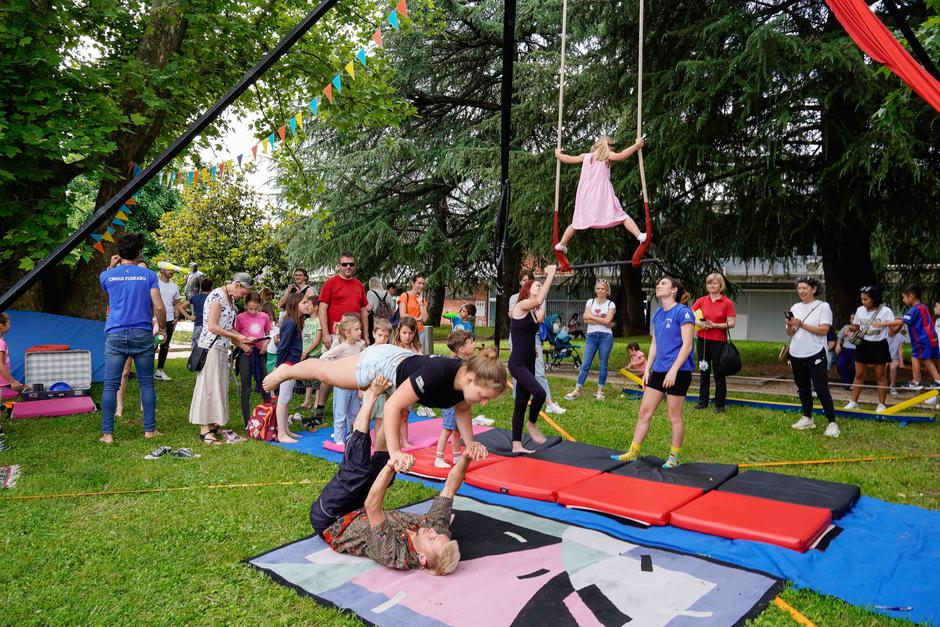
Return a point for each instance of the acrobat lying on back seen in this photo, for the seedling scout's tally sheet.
(596, 205)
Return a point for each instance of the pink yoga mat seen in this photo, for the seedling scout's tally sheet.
(54, 407)
(421, 435)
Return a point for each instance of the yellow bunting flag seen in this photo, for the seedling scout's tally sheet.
(264, 147)
(120, 215)
(300, 119)
(328, 90)
(106, 236)
(377, 37)
(228, 164)
(351, 69)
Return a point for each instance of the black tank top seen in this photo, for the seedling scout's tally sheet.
(522, 332)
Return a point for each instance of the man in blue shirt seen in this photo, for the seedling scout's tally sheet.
(134, 301)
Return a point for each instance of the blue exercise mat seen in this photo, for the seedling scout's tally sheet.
(887, 555)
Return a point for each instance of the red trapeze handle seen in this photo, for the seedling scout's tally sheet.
(637, 260)
(563, 264)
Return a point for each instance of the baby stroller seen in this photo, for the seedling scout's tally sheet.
(560, 346)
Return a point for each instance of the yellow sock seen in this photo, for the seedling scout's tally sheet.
(632, 454)
(674, 451)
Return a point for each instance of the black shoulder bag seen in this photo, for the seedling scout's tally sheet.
(197, 358)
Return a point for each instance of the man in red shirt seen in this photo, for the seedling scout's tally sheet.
(341, 294)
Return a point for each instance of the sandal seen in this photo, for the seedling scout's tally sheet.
(599, 396)
(232, 438)
(209, 438)
(157, 453)
(186, 452)
(573, 394)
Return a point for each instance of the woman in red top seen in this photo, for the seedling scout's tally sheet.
(717, 317)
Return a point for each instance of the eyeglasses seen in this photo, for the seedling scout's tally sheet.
(348, 264)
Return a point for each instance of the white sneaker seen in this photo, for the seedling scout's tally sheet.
(893, 391)
(560, 248)
(162, 376)
(296, 417)
(642, 237)
(554, 408)
(832, 430)
(851, 405)
(483, 421)
(803, 424)
(881, 407)
(440, 463)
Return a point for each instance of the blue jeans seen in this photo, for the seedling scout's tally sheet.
(118, 346)
(596, 342)
(346, 404)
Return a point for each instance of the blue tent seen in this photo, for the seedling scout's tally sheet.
(29, 328)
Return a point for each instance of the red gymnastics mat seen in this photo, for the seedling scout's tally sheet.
(529, 478)
(647, 502)
(424, 463)
(741, 517)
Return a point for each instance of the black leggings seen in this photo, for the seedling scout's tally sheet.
(811, 373)
(710, 351)
(244, 374)
(165, 347)
(522, 370)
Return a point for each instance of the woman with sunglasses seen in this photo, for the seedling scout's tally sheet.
(870, 325)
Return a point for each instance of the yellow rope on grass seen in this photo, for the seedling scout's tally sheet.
(794, 613)
(846, 460)
(554, 424)
(38, 497)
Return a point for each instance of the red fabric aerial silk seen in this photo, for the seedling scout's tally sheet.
(876, 41)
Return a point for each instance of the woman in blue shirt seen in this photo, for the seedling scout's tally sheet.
(668, 370)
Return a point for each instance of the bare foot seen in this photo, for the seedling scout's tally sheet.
(535, 434)
(106, 438)
(292, 434)
(518, 448)
(152, 434)
(285, 439)
(119, 411)
(273, 381)
(305, 406)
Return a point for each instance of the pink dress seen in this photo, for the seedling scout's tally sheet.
(596, 206)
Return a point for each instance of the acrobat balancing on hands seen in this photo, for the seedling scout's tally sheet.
(596, 205)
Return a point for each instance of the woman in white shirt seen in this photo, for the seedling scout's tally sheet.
(871, 324)
(599, 316)
(808, 323)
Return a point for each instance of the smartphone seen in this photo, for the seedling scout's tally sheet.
(788, 315)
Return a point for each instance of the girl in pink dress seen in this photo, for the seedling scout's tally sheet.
(596, 206)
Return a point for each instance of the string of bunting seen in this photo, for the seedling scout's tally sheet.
(294, 125)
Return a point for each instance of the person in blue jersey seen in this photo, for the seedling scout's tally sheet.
(134, 301)
(668, 372)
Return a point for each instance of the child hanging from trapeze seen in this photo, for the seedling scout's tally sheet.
(596, 205)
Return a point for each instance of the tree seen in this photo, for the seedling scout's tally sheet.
(224, 227)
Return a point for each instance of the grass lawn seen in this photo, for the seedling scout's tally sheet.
(175, 557)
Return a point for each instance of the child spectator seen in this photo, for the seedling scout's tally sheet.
(346, 402)
(9, 386)
(313, 347)
(252, 364)
(461, 343)
(923, 335)
(637, 358)
(464, 318)
(289, 349)
(406, 336)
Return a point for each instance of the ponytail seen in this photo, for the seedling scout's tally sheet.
(486, 368)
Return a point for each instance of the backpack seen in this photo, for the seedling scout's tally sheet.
(395, 318)
(384, 310)
(263, 422)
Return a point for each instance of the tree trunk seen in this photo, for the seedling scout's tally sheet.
(436, 297)
(847, 266)
(632, 302)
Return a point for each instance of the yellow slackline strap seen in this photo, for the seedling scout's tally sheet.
(554, 424)
(809, 462)
(38, 497)
(793, 612)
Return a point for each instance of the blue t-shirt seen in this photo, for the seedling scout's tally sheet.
(198, 301)
(667, 329)
(920, 326)
(128, 287)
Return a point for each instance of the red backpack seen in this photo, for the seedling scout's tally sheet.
(263, 422)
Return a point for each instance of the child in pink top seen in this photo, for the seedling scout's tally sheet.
(9, 386)
(637, 358)
(252, 323)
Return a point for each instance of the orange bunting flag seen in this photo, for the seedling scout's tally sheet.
(402, 7)
(377, 37)
(328, 90)
(221, 168)
(254, 152)
(98, 246)
(282, 132)
(351, 69)
(196, 176)
(131, 201)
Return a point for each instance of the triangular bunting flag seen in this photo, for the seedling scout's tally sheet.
(121, 215)
(299, 119)
(213, 172)
(282, 132)
(239, 161)
(271, 141)
(361, 55)
(130, 167)
(106, 236)
(313, 105)
(117, 222)
(137, 170)
(228, 164)
(191, 175)
(222, 167)
(338, 84)
(99, 248)
(293, 126)
(254, 152)
(179, 176)
(110, 230)
(377, 37)
(351, 69)
(96, 237)
(402, 7)
(131, 201)
(127, 209)
(197, 175)
(328, 90)
(393, 19)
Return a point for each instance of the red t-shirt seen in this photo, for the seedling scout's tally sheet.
(342, 296)
(714, 311)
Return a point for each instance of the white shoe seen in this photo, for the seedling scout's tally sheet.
(832, 430)
(803, 424)
(560, 248)
(931, 401)
(483, 421)
(162, 376)
(440, 463)
(642, 237)
(880, 409)
(893, 391)
(554, 408)
(296, 417)
(851, 405)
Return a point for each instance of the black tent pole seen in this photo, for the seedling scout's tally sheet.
(111, 207)
(502, 218)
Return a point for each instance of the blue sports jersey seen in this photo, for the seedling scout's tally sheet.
(667, 329)
(128, 287)
(920, 327)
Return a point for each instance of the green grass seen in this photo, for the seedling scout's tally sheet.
(176, 557)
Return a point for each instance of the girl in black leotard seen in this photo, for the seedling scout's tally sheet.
(523, 326)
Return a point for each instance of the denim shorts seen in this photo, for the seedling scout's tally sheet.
(450, 418)
(380, 360)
